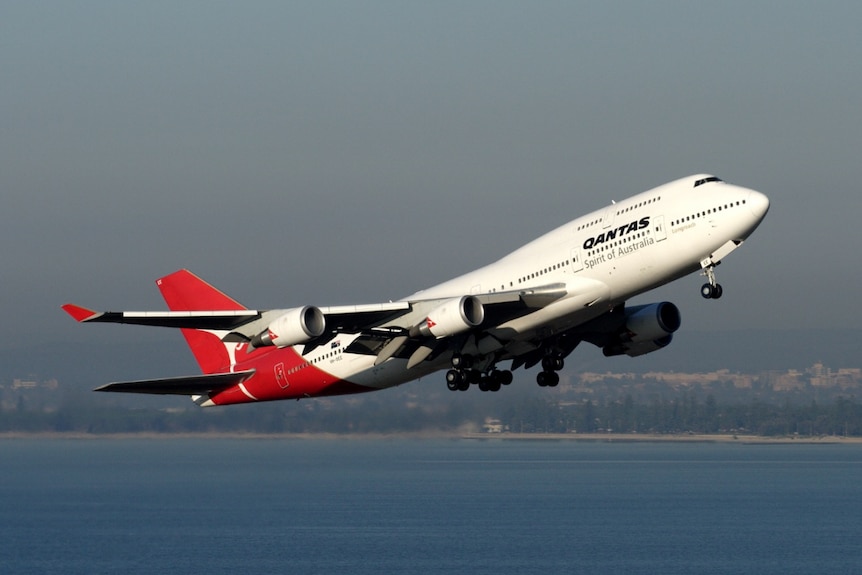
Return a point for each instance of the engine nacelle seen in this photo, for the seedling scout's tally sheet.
(634, 349)
(648, 328)
(653, 321)
(296, 326)
(454, 316)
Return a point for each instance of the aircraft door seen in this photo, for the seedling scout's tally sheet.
(281, 375)
(608, 216)
(658, 229)
(577, 260)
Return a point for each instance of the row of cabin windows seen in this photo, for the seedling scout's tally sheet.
(681, 221)
(544, 271)
(622, 211)
(305, 364)
(541, 272)
(638, 205)
(589, 224)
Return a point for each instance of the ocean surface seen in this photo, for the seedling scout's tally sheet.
(179, 505)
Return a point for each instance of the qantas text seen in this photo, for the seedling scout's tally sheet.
(609, 235)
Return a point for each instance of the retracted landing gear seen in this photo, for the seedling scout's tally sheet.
(460, 377)
(712, 289)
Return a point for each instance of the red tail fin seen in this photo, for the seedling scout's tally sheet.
(184, 291)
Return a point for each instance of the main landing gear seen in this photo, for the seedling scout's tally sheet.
(549, 377)
(712, 289)
(461, 376)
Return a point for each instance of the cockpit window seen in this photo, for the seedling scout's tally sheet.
(705, 180)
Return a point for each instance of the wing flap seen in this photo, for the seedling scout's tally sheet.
(536, 297)
(185, 385)
(499, 307)
(354, 318)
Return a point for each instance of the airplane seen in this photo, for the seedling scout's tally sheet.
(531, 307)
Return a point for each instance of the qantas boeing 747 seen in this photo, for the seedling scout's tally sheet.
(533, 306)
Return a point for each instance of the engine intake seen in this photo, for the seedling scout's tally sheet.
(653, 321)
(298, 325)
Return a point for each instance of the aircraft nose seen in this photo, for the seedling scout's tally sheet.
(758, 204)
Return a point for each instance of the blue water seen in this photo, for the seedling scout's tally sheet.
(427, 506)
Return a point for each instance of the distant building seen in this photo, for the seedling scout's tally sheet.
(23, 384)
(492, 425)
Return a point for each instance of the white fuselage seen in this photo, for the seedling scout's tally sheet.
(603, 259)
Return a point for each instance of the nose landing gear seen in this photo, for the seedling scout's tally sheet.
(712, 289)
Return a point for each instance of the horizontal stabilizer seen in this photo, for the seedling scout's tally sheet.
(187, 385)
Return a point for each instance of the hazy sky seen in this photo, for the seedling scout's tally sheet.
(330, 153)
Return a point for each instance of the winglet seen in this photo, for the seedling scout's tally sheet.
(80, 314)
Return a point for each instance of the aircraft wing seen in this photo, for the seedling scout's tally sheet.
(187, 385)
(179, 319)
(432, 326)
(339, 318)
(355, 318)
(394, 329)
(503, 306)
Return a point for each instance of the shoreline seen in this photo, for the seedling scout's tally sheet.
(582, 437)
(667, 438)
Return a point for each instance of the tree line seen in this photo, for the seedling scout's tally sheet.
(686, 414)
(522, 414)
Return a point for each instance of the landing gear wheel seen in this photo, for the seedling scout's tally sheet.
(552, 363)
(454, 379)
(461, 380)
(710, 291)
(497, 378)
(548, 378)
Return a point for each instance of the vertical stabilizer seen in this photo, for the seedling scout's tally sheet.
(184, 291)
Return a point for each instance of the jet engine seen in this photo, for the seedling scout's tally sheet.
(647, 328)
(633, 349)
(297, 325)
(453, 316)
